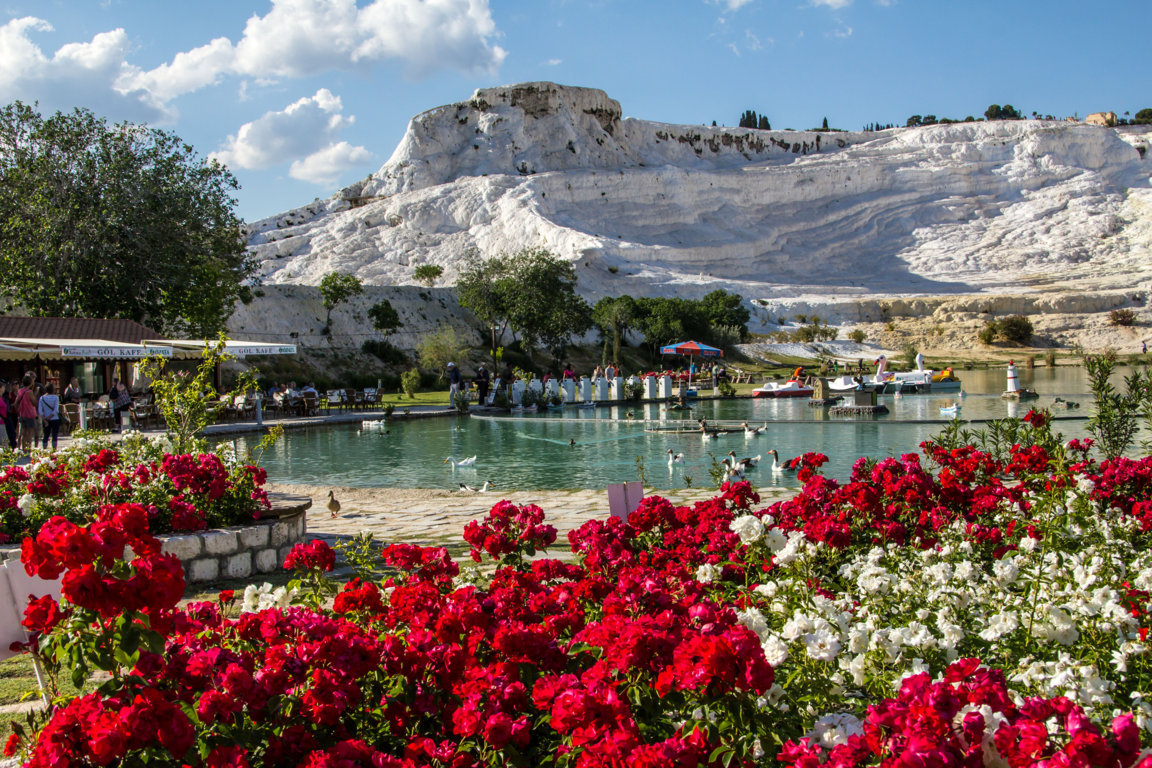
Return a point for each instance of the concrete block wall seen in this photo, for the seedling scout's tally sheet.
(233, 553)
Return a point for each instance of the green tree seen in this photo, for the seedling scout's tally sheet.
(726, 309)
(614, 317)
(186, 401)
(103, 220)
(1143, 117)
(530, 292)
(764, 125)
(543, 306)
(336, 288)
(438, 349)
(479, 291)
(748, 119)
(1114, 425)
(384, 317)
(913, 121)
(824, 125)
(428, 274)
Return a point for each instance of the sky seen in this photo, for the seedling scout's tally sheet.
(301, 97)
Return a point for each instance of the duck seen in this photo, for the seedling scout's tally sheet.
(469, 462)
(333, 504)
(674, 458)
(753, 431)
(482, 489)
(779, 468)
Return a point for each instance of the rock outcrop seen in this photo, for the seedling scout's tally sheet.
(788, 218)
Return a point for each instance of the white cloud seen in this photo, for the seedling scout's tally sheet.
(835, 4)
(300, 130)
(93, 74)
(325, 166)
(295, 38)
(730, 6)
(554, 62)
(752, 41)
(843, 31)
(189, 71)
(306, 37)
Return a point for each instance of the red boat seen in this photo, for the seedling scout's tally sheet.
(794, 387)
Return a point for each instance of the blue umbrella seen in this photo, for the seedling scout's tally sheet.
(691, 348)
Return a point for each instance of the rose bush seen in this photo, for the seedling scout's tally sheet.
(952, 608)
(181, 492)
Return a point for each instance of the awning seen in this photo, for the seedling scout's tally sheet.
(184, 349)
(89, 349)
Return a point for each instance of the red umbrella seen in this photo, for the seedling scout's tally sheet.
(691, 348)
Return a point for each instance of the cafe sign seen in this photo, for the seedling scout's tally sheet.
(115, 353)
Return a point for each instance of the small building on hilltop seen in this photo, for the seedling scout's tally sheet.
(1106, 119)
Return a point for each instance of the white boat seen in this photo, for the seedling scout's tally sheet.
(794, 387)
(950, 410)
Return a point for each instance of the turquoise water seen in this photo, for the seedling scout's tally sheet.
(534, 451)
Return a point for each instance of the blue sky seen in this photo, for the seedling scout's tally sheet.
(300, 97)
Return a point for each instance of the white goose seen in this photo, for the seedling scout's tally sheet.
(706, 433)
(753, 431)
(674, 458)
(744, 464)
(777, 467)
(469, 462)
(483, 489)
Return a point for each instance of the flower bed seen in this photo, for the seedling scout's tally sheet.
(987, 611)
(181, 492)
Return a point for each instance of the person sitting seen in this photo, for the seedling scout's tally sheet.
(568, 372)
(309, 389)
(597, 372)
(610, 372)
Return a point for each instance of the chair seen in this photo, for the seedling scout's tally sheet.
(311, 404)
(368, 398)
(351, 399)
(335, 399)
(72, 415)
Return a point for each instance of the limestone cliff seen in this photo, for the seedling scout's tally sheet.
(787, 217)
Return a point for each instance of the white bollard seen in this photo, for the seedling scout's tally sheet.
(651, 387)
(665, 386)
(1013, 380)
(552, 389)
(536, 386)
(585, 390)
(600, 389)
(569, 391)
(616, 389)
(518, 388)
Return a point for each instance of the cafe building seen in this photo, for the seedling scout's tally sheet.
(97, 350)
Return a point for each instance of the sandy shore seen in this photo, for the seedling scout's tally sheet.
(435, 516)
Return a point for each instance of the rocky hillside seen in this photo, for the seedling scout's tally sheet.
(1053, 215)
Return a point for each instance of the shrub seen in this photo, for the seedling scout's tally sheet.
(987, 334)
(726, 389)
(1050, 359)
(858, 336)
(1016, 329)
(410, 382)
(1122, 317)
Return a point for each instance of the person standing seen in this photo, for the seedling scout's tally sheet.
(121, 401)
(26, 412)
(48, 406)
(11, 420)
(453, 383)
(483, 379)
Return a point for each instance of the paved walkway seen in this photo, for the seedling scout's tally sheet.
(437, 517)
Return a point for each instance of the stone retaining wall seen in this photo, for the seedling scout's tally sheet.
(235, 553)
